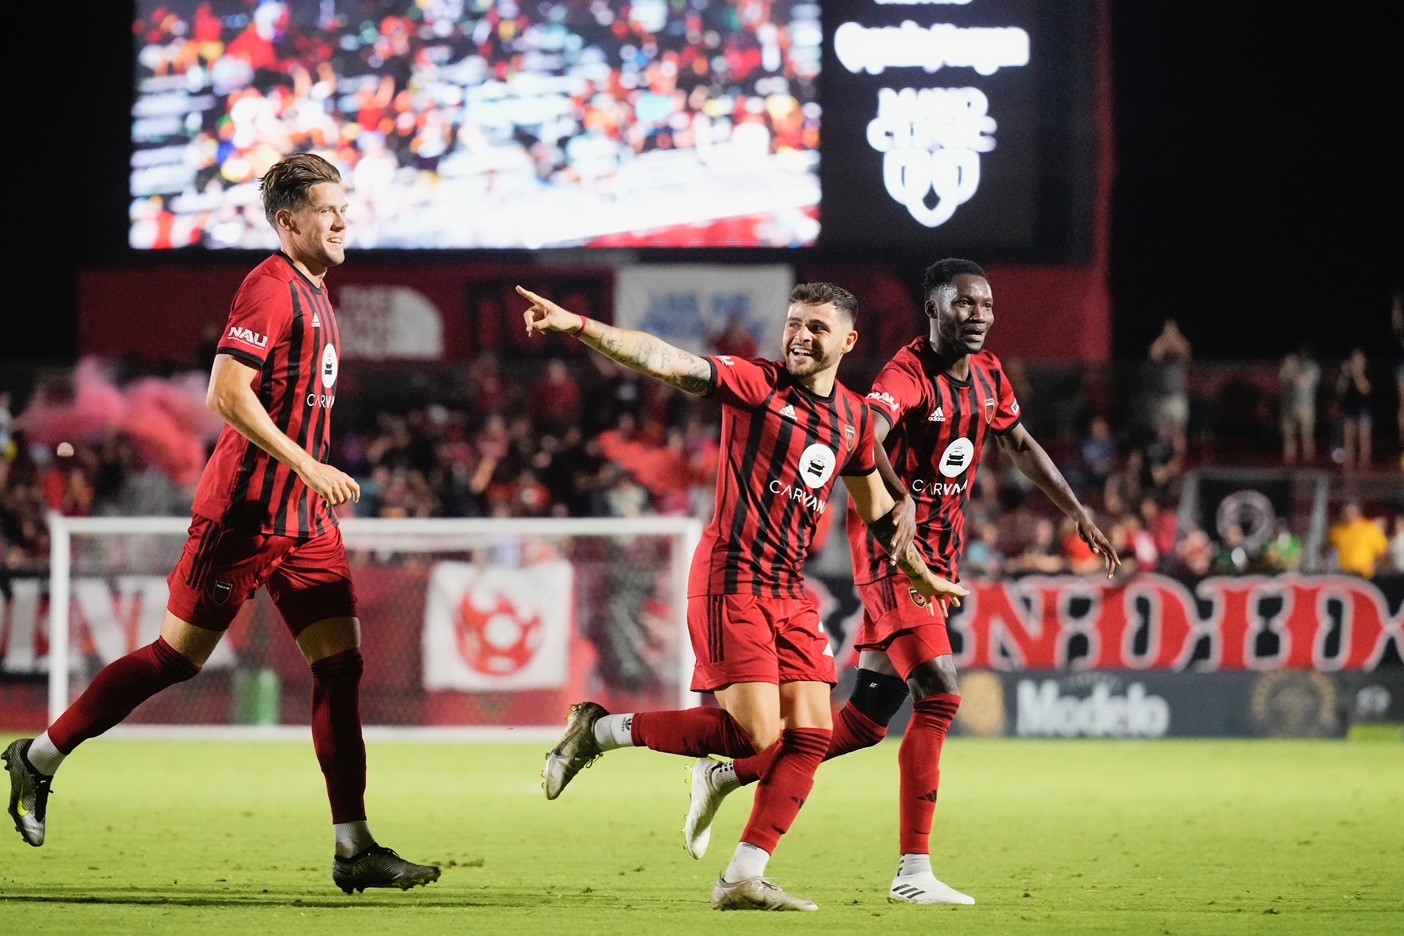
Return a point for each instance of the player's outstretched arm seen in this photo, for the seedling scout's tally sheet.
(231, 396)
(1033, 461)
(875, 506)
(643, 352)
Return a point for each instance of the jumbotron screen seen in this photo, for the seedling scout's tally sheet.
(512, 124)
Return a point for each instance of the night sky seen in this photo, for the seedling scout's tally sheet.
(1258, 195)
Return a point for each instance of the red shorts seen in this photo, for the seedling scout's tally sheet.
(221, 567)
(897, 625)
(748, 638)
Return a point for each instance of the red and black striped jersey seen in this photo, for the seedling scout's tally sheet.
(782, 451)
(939, 428)
(283, 325)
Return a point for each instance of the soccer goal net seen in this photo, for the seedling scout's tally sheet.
(470, 628)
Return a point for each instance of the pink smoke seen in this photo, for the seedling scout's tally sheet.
(165, 418)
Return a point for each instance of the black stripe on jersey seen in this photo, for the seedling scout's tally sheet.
(312, 425)
(296, 339)
(204, 555)
(999, 386)
(983, 380)
(716, 622)
(747, 460)
(971, 430)
(785, 522)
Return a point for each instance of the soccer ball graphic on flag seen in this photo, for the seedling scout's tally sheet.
(494, 636)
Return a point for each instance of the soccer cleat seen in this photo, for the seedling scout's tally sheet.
(29, 793)
(925, 889)
(703, 801)
(379, 866)
(756, 893)
(576, 750)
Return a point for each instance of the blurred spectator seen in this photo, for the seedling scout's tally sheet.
(1162, 525)
(1298, 379)
(735, 338)
(1283, 553)
(1396, 316)
(1169, 383)
(1353, 396)
(1396, 544)
(556, 399)
(983, 557)
(1097, 454)
(1232, 556)
(7, 421)
(1041, 553)
(1358, 541)
(1196, 553)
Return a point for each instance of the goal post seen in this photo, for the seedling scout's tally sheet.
(471, 628)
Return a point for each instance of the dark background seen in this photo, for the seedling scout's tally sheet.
(1257, 196)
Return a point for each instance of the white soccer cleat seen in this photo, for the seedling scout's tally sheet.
(704, 798)
(756, 893)
(926, 889)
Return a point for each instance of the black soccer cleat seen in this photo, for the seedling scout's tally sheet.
(379, 866)
(29, 793)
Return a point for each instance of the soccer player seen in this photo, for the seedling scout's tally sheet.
(262, 516)
(936, 402)
(789, 431)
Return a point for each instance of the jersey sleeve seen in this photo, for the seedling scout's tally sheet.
(1006, 415)
(741, 382)
(260, 315)
(863, 461)
(895, 391)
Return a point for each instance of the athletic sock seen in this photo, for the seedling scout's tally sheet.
(785, 786)
(117, 691)
(42, 757)
(695, 732)
(336, 733)
(352, 838)
(853, 731)
(614, 731)
(914, 864)
(920, 761)
(722, 777)
(748, 862)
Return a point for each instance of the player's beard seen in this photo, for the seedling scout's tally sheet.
(806, 365)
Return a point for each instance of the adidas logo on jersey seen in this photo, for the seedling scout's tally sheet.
(938, 416)
(316, 322)
(789, 411)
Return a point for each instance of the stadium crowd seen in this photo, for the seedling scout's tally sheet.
(584, 437)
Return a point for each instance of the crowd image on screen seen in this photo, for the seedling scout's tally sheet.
(464, 123)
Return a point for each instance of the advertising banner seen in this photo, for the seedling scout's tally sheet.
(706, 308)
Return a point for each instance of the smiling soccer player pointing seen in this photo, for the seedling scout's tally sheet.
(789, 432)
(936, 403)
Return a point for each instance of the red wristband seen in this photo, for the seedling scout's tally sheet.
(583, 322)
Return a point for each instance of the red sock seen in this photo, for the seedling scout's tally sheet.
(853, 731)
(920, 762)
(695, 732)
(117, 691)
(785, 785)
(336, 732)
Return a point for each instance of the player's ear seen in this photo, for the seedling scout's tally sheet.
(929, 307)
(850, 340)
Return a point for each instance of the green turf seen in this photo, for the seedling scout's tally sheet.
(1051, 837)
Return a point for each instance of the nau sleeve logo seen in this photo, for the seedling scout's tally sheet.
(248, 336)
(886, 399)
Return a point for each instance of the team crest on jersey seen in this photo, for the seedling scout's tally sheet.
(329, 365)
(955, 461)
(937, 415)
(848, 433)
(989, 410)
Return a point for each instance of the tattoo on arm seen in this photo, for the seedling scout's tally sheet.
(652, 357)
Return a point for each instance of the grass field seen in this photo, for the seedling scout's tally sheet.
(1050, 837)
